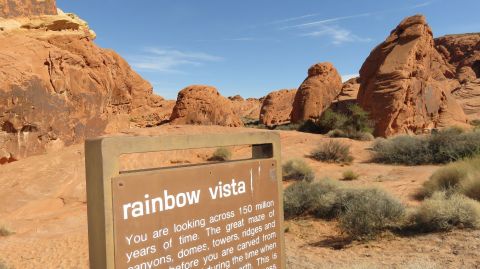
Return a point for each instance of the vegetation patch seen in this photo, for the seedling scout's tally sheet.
(4, 231)
(349, 175)
(354, 124)
(461, 177)
(332, 151)
(297, 169)
(221, 155)
(443, 212)
(444, 146)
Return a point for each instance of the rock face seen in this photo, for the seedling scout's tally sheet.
(201, 104)
(57, 88)
(27, 8)
(317, 92)
(348, 95)
(463, 53)
(277, 107)
(248, 109)
(405, 83)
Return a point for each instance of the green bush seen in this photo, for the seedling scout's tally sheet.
(349, 175)
(354, 124)
(369, 212)
(332, 151)
(443, 212)
(221, 154)
(460, 177)
(298, 169)
(441, 147)
(297, 199)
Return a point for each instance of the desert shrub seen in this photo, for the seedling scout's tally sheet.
(475, 123)
(287, 127)
(298, 169)
(369, 212)
(443, 212)
(332, 151)
(221, 154)
(440, 147)
(4, 231)
(297, 199)
(354, 124)
(460, 177)
(349, 175)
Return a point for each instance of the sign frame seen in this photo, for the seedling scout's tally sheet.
(102, 164)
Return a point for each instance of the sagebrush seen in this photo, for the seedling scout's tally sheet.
(221, 154)
(332, 151)
(297, 169)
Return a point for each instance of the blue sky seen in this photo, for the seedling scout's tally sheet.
(252, 47)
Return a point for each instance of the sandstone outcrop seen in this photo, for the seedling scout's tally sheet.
(462, 51)
(277, 107)
(203, 105)
(405, 83)
(317, 92)
(57, 87)
(348, 95)
(248, 109)
(27, 8)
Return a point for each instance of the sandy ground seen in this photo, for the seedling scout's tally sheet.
(43, 202)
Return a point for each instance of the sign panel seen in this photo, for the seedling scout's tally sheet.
(215, 216)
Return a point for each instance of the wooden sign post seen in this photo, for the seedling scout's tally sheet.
(215, 216)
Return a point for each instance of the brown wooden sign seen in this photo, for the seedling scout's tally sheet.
(215, 216)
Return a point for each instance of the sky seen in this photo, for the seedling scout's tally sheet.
(253, 47)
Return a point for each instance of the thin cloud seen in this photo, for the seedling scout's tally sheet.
(341, 18)
(337, 34)
(169, 60)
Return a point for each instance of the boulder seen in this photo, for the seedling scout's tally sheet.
(405, 83)
(203, 105)
(58, 88)
(277, 107)
(27, 8)
(317, 92)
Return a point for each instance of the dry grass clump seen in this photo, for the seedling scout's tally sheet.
(332, 151)
(460, 177)
(4, 231)
(370, 212)
(362, 213)
(297, 169)
(443, 212)
(349, 175)
(444, 146)
(221, 154)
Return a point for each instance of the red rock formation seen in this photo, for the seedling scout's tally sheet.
(463, 53)
(247, 109)
(57, 88)
(348, 95)
(200, 104)
(27, 8)
(317, 92)
(405, 85)
(277, 107)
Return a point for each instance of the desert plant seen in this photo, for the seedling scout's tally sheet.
(4, 231)
(369, 212)
(460, 177)
(349, 175)
(444, 146)
(332, 151)
(297, 199)
(298, 169)
(443, 212)
(354, 124)
(221, 154)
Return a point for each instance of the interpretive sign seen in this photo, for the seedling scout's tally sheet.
(215, 216)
